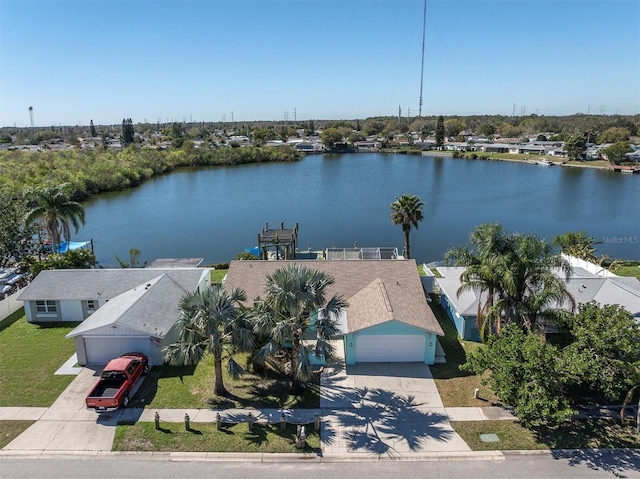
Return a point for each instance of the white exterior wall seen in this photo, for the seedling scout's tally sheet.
(590, 267)
(71, 310)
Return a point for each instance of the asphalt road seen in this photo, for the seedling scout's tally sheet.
(574, 465)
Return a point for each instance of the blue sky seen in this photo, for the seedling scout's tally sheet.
(105, 60)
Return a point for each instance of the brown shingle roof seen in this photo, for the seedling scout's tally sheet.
(376, 290)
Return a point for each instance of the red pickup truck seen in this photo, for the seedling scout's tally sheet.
(116, 382)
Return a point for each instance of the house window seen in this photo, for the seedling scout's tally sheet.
(92, 305)
(46, 307)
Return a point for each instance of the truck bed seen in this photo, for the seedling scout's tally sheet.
(106, 388)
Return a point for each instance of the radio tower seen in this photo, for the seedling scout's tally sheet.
(31, 115)
(424, 28)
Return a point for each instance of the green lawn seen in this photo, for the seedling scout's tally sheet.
(192, 387)
(29, 355)
(575, 434)
(629, 269)
(217, 275)
(9, 430)
(204, 437)
(456, 387)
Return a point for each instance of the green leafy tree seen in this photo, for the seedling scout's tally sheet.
(16, 239)
(211, 322)
(527, 373)
(406, 211)
(616, 153)
(440, 132)
(577, 244)
(604, 352)
(575, 146)
(57, 212)
(486, 129)
(453, 126)
(507, 130)
(372, 127)
(330, 137)
(294, 293)
(72, 259)
(614, 135)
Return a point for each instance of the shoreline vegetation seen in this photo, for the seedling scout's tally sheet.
(91, 172)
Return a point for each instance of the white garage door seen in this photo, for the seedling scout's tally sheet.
(390, 349)
(101, 350)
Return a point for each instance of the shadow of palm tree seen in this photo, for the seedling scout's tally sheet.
(376, 420)
(613, 461)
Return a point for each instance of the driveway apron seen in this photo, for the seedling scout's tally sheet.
(67, 425)
(384, 409)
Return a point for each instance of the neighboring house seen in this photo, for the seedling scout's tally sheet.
(121, 310)
(583, 285)
(387, 318)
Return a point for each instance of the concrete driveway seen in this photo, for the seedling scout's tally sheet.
(67, 425)
(390, 409)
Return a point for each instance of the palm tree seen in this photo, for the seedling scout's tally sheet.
(516, 275)
(484, 265)
(406, 211)
(210, 322)
(294, 294)
(529, 280)
(55, 209)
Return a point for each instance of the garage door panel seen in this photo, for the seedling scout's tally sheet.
(391, 348)
(101, 350)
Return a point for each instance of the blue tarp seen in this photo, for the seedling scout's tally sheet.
(71, 245)
(254, 251)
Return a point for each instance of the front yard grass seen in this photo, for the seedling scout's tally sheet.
(29, 355)
(9, 430)
(574, 434)
(205, 437)
(217, 275)
(192, 387)
(456, 387)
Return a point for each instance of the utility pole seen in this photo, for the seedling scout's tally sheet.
(295, 116)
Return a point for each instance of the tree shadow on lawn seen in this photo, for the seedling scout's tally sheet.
(149, 387)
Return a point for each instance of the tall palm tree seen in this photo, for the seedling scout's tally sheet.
(55, 209)
(516, 274)
(406, 211)
(484, 265)
(530, 281)
(210, 322)
(294, 294)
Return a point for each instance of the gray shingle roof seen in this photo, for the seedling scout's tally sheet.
(376, 290)
(152, 307)
(79, 284)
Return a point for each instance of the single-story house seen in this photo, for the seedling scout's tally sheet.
(583, 285)
(387, 318)
(120, 310)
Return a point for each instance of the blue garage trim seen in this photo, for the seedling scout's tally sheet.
(390, 328)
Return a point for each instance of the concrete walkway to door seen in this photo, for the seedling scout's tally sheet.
(384, 409)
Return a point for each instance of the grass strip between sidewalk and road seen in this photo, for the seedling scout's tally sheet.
(29, 356)
(11, 429)
(574, 434)
(205, 437)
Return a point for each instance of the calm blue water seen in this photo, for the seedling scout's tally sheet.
(215, 213)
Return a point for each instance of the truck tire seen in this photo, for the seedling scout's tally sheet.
(125, 400)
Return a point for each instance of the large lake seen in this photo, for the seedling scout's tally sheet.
(215, 213)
